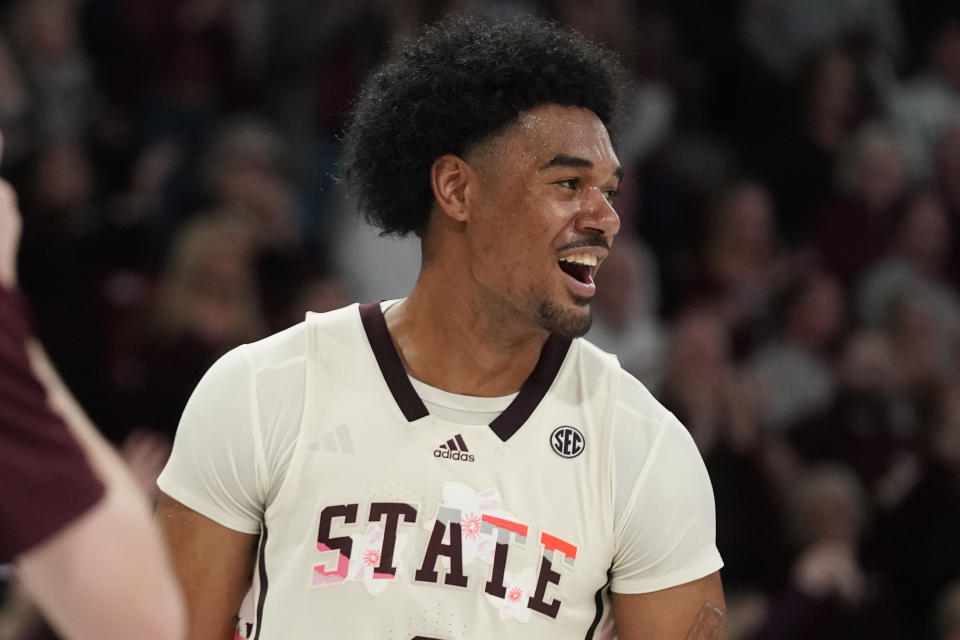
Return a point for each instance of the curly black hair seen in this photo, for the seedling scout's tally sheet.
(462, 80)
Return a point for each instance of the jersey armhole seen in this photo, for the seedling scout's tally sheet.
(292, 451)
(260, 458)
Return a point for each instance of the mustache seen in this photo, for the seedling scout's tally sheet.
(589, 241)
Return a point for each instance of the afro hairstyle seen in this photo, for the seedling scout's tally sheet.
(460, 82)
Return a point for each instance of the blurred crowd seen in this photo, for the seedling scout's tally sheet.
(785, 280)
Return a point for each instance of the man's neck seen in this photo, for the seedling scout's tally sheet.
(451, 342)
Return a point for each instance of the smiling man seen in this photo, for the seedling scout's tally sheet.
(460, 463)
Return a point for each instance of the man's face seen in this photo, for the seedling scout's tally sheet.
(541, 219)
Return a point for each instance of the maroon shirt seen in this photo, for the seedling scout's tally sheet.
(45, 479)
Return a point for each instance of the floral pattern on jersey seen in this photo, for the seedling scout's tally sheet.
(471, 505)
(366, 554)
(520, 587)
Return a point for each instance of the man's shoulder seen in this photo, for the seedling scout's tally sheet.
(275, 367)
(595, 359)
(631, 394)
(291, 345)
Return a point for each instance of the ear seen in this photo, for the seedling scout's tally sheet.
(450, 178)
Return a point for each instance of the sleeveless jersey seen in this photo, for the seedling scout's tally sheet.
(392, 523)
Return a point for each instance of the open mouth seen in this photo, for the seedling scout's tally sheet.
(580, 267)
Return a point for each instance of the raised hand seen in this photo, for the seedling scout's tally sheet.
(10, 227)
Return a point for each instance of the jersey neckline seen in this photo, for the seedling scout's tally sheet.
(534, 388)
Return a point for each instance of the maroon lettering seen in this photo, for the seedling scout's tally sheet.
(393, 512)
(504, 528)
(547, 576)
(435, 548)
(342, 544)
(495, 586)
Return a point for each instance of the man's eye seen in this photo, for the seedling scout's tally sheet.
(610, 194)
(569, 183)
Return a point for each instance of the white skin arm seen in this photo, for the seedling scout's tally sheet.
(691, 611)
(106, 575)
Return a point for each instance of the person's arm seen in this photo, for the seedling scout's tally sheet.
(213, 494)
(691, 611)
(106, 575)
(665, 580)
(214, 565)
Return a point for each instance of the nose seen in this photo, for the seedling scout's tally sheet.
(597, 216)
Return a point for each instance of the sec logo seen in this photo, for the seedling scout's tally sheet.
(567, 442)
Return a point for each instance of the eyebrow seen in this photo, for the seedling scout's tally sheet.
(564, 160)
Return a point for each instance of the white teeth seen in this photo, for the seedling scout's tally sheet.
(581, 258)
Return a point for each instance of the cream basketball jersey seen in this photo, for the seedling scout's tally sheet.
(378, 519)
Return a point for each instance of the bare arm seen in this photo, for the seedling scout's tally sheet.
(691, 611)
(105, 575)
(213, 564)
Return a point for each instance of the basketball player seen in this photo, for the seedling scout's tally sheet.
(72, 521)
(457, 464)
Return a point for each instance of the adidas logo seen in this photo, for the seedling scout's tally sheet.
(454, 449)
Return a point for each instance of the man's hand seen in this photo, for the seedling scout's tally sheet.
(10, 227)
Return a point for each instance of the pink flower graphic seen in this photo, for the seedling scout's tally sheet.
(471, 505)
(470, 525)
(519, 588)
(366, 556)
(371, 557)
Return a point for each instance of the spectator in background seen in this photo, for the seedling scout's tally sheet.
(206, 302)
(925, 107)
(207, 290)
(867, 427)
(57, 71)
(794, 369)
(698, 379)
(625, 318)
(824, 103)
(741, 267)
(915, 264)
(245, 170)
(831, 595)
(915, 543)
(782, 33)
(292, 283)
(871, 180)
(61, 199)
(925, 346)
(180, 64)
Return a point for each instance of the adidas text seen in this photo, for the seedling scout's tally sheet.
(453, 455)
